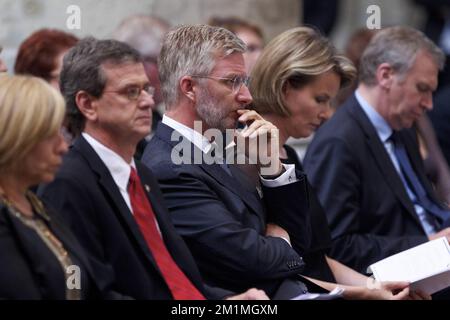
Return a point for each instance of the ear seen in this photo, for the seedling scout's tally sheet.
(187, 88)
(87, 105)
(385, 75)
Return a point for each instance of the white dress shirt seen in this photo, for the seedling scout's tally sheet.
(117, 166)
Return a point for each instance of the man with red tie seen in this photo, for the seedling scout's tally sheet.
(112, 203)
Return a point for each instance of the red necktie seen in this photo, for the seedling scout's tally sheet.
(180, 286)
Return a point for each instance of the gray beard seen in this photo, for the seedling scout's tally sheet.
(212, 112)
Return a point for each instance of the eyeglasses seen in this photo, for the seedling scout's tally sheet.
(133, 92)
(235, 83)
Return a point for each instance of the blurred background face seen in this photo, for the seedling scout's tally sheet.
(3, 67)
(43, 161)
(41, 54)
(55, 73)
(254, 45)
(310, 105)
(151, 69)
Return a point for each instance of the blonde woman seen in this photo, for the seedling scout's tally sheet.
(293, 85)
(40, 259)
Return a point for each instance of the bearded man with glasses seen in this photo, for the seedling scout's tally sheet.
(222, 218)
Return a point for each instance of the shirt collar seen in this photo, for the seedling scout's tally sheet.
(193, 136)
(117, 166)
(382, 128)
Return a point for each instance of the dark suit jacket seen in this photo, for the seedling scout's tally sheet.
(85, 192)
(368, 210)
(316, 264)
(29, 270)
(223, 221)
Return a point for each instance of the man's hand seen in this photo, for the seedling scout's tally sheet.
(260, 139)
(251, 294)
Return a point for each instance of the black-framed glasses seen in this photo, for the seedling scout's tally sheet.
(133, 92)
(235, 83)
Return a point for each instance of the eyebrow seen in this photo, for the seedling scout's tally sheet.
(425, 86)
(134, 83)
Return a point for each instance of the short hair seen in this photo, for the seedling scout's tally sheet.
(296, 57)
(235, 24)
(144, 33)
(30, 111)
(82, 70)
(397, 46)
(192, 50)
(37, 54)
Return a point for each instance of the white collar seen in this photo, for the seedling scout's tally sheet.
(193, 136)
(117, 166)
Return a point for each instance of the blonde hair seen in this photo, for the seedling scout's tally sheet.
(30, 111)
(296, 56)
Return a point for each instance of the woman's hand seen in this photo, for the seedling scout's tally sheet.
(393, 290)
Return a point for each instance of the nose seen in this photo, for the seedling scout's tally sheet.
(326, 113)
(146, 100)
(243, 96)
(427, 102)
(3, 67)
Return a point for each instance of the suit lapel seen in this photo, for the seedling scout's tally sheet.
(382, 158)
(233, 184)
(113, 194)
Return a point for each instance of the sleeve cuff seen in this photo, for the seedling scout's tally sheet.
(287, 177)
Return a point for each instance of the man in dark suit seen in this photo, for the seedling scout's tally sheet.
(365, 164)
(222, 221)
(222, 218)
(113, 204)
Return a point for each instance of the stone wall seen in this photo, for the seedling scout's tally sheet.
(19, 18)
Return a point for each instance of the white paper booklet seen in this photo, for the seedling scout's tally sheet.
(425, 267)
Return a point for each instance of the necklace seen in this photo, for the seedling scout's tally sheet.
(38, 224)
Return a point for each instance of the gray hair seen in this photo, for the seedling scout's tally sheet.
(192, 50)
(397, 46)
(82, 71)
(144, 33)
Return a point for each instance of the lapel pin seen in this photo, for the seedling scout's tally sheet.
(147, 188)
